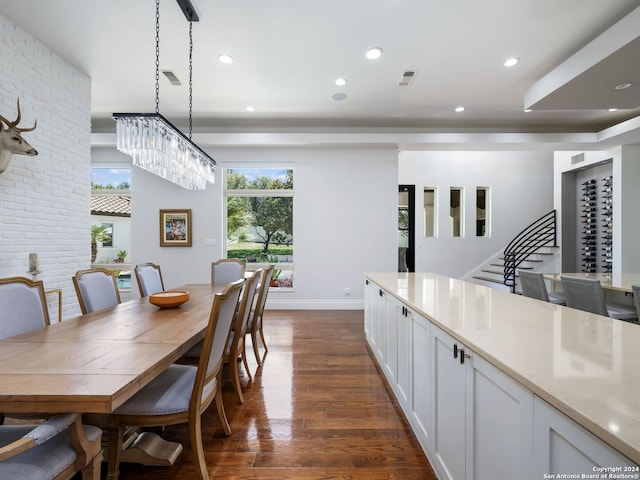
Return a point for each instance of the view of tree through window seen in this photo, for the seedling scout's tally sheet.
(260, 219)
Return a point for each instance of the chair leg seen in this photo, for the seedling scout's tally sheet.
(244, 360)
(92, 470)
(264, 343)
(220, 406)
(256, 350)
(195, 432)
(235, 376)
(115, 434)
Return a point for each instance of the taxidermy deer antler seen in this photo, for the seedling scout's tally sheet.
(12, 142)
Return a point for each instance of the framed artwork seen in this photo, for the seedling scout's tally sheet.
(175, 228)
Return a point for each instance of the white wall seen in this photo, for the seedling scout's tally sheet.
(44, 200)
(344, 222)
(521, 190)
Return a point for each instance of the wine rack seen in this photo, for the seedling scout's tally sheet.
(588, 218)
(606, 224)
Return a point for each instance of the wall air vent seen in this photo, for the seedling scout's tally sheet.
(172, 78)
(577, 158)
(407, 77)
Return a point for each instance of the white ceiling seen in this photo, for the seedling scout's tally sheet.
(288, 54)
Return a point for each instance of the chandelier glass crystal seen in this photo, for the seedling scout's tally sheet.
(155, 144)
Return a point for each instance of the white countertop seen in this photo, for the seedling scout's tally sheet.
(586, 365)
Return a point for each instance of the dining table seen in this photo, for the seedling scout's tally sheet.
(96, 362)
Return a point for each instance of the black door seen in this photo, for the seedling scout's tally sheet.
(406, 228)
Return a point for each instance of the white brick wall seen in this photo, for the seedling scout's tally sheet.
(45, 200)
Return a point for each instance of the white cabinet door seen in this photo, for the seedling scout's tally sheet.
(561, 446)
(448, 405)
(370, 290)
(500, 423)
(405, 318)
(420, 382)
(392, 310)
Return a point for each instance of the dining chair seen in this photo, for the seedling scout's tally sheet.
(28, 309)
(149, 278)
(96, 289)
(254, 327)
(533, 286)
(181, 393)
(236, 343)
(56, 449)
(587, 294)
(227, 270)
(25, 306)
(635, 289)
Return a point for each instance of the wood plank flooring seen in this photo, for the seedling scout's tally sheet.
(318, 408)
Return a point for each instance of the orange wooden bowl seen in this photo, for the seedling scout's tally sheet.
(169, 298)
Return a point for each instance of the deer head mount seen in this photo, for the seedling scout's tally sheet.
(12, 142)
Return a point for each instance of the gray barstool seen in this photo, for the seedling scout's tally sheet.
(636, 298)
(587, 294)
(533, 286)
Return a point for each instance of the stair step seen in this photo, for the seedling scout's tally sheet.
(527, 260)
(487, 279)
(519, 268)
(496, 272)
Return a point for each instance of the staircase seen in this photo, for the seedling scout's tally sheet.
(532, 249)
(491, 273)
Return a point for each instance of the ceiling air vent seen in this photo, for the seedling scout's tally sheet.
(407, 77)
(172, 78)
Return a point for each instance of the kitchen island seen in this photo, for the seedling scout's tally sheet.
(496, 385)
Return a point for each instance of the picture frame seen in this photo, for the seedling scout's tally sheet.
(175, 228)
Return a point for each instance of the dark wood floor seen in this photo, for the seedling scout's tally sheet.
(317, 409)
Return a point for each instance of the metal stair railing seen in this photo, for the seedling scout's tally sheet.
(541, 233)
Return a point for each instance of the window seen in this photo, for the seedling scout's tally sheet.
(108, 230)
(259, 219)
(455, 212)
(482, 212)
(429, 212)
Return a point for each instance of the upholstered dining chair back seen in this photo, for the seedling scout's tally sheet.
(636, 298)
(533, 286)
(24, 306)
(254, 327)
(56, 449)
(96, 289)
(585, 294)
(236, 343)
(227, 270)
(149, 278)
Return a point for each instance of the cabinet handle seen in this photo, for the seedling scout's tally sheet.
(455, 350)
(462, 356)
(379, 292)
(366, 282)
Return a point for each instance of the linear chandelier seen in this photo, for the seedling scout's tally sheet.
(154, 143)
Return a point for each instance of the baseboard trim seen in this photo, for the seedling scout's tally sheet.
(314, 304)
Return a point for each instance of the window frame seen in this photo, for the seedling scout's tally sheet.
(252, 266)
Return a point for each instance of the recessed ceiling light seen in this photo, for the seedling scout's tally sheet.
(341, 81)
(612, 110)
(510, 62)
(251, 109)
(224, 58)
(460, 109)
(374, 53)
(339, 96)
(623, 86)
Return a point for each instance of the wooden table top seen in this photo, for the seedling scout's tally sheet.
(610, 281)
(94, 363)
